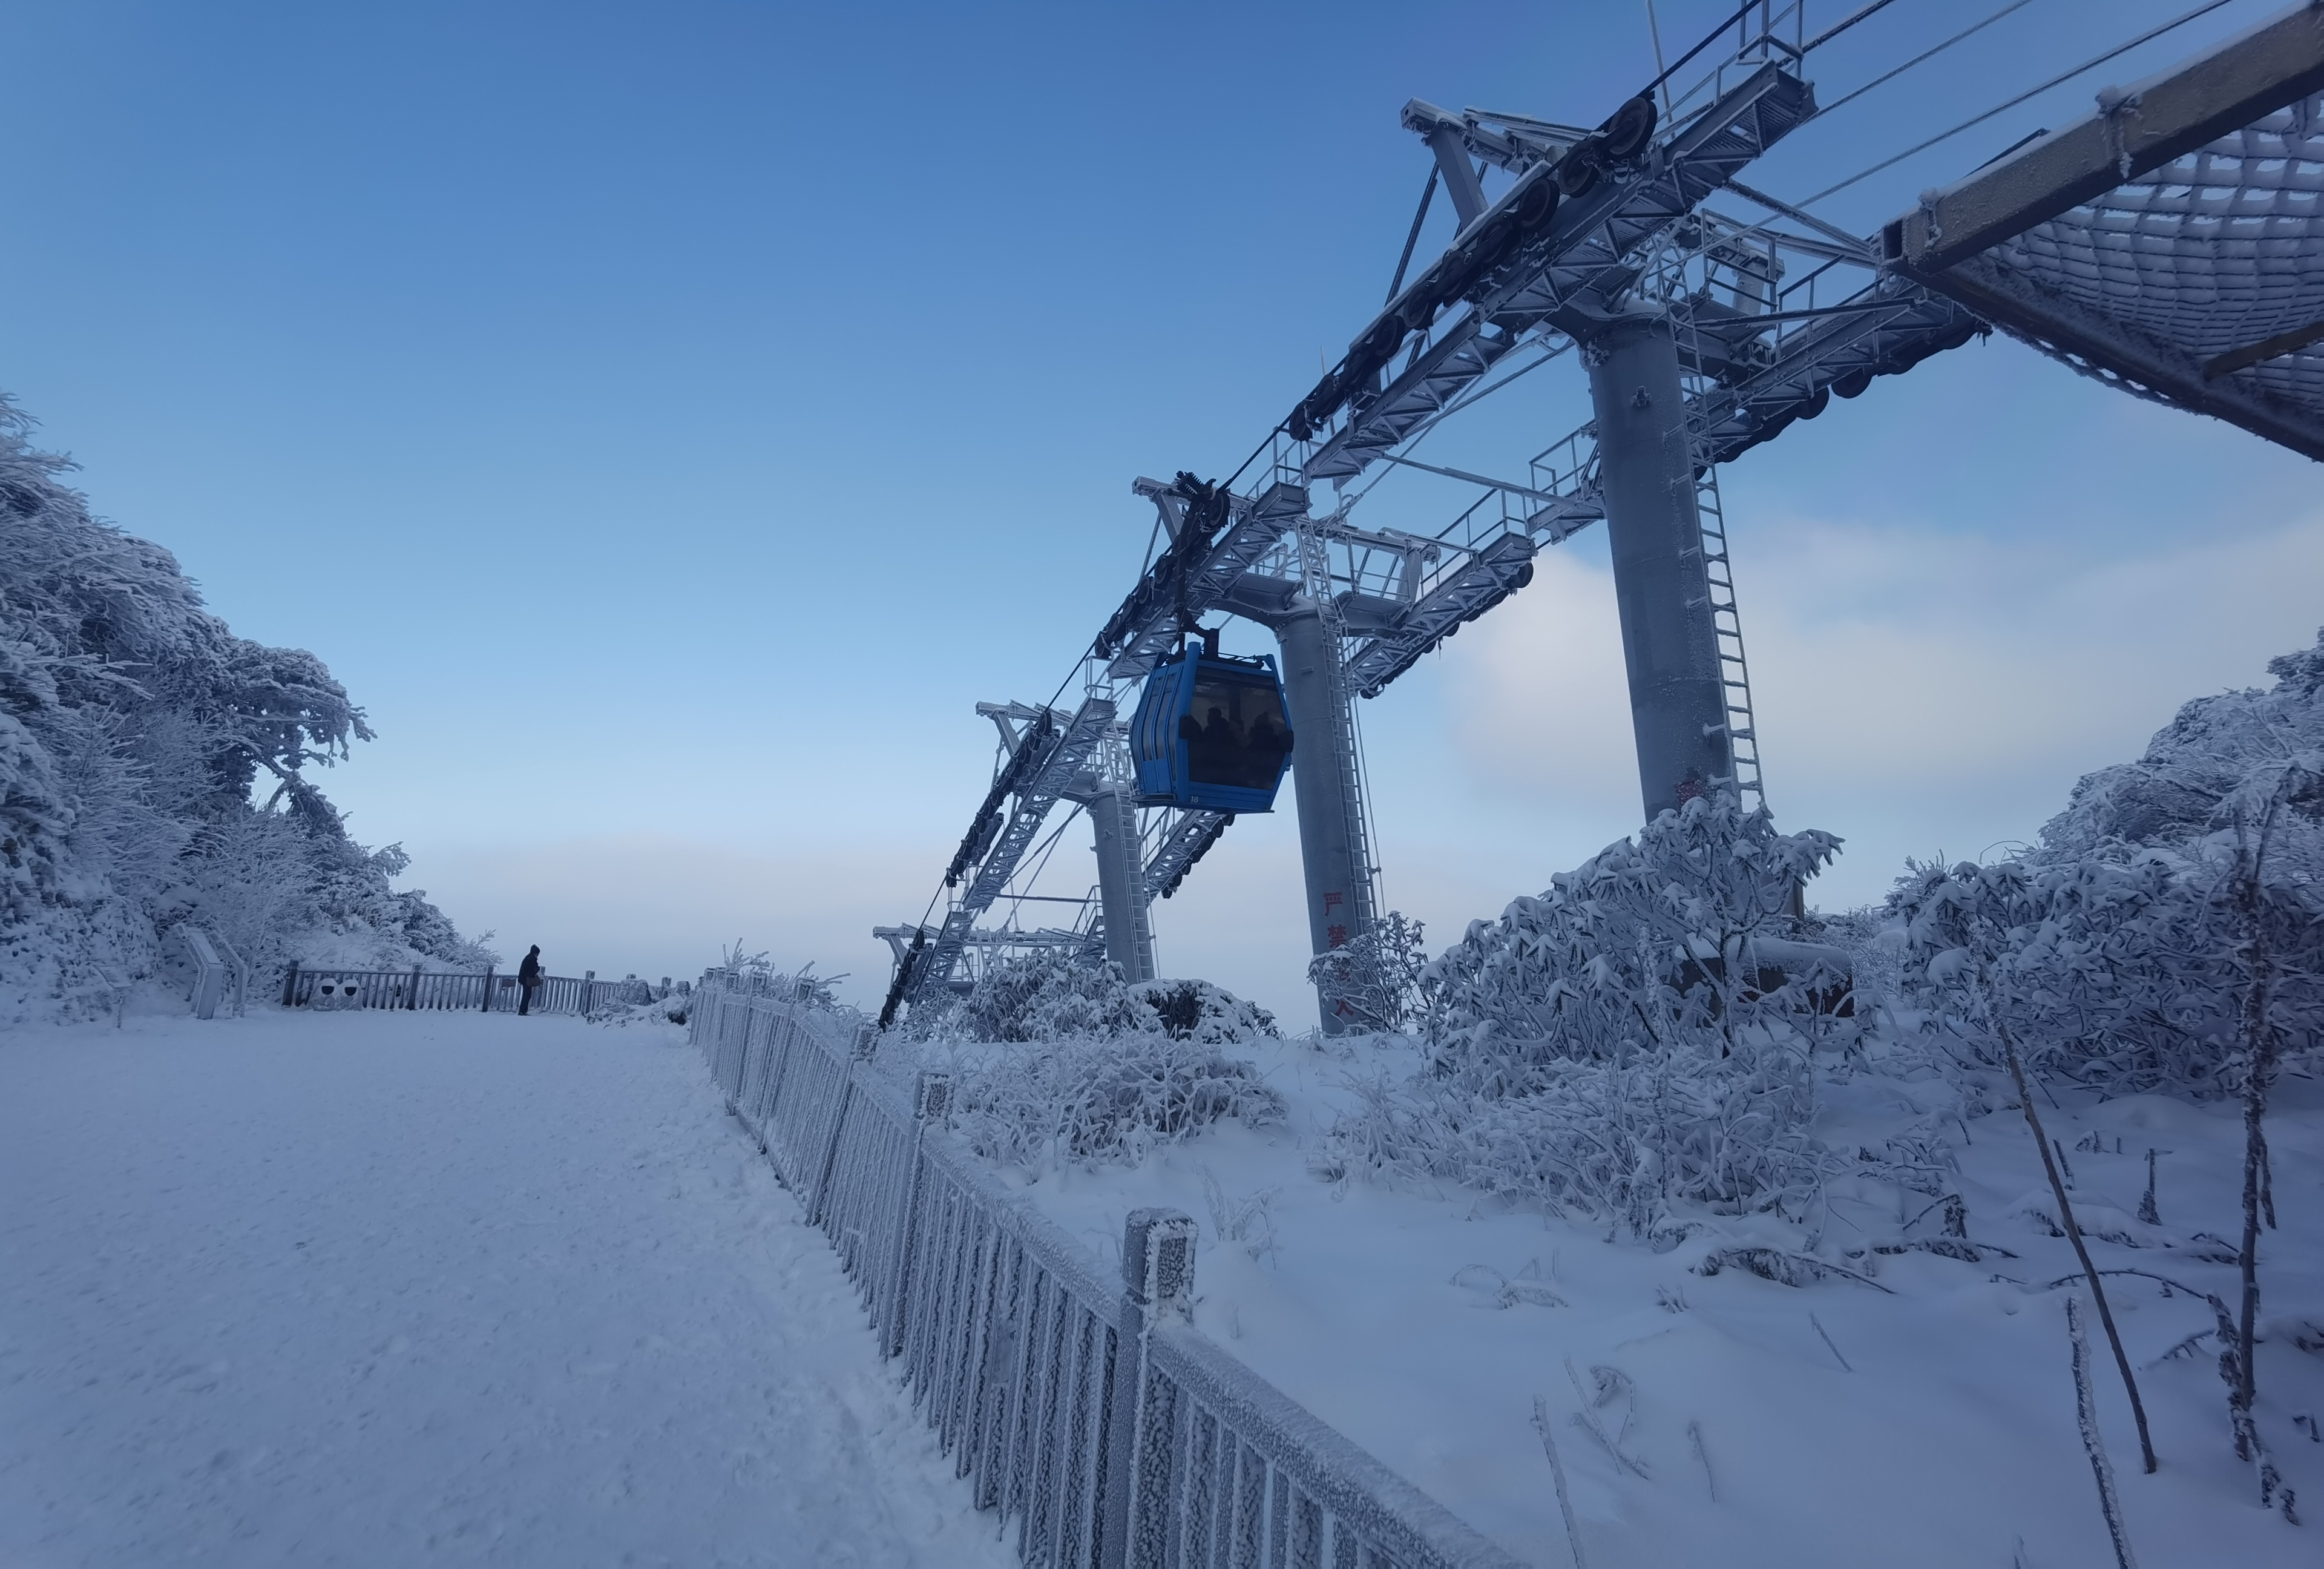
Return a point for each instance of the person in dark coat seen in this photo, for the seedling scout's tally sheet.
(527, 979)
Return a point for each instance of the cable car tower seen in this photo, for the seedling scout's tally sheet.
(2170, 243)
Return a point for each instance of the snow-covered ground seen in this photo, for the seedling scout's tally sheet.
(395, 1289)
(1923, 1419)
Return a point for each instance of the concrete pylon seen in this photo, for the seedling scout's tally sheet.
(1336, 905)
(1120, 886)
(1670, 643)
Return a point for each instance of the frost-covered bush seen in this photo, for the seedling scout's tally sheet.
(2118, 951)
(2172, 795)
(1083, 1067)
(1640, 1036)
(1373, 981)
(1106, 1099)
(1046, 996)
(133, 726)
(1049, 995)
(1198, 1011)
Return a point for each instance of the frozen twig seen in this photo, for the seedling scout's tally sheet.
(1541, 1424)
(2257, 911)
(1587, 1417)
(2073, 1232)
(2086, 1411)
(1828, 1341)
(1695, 1438)
(2249, 1445)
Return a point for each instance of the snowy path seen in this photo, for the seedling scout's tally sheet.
(396, 1290)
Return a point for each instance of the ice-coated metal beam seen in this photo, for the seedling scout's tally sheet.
(1145, 626)
(1184, 842)
(1076, 744)
(2135, 132)
(1330, 838)
(1120, 883)
(2158, 243)
(1583, 255)
(2117, 351)
(1670, 643)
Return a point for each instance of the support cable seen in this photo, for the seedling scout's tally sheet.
(1040, 857)
(1842, 25)
(1926, 54)
(2147, 37)
(1713, 36)
(1428, 193)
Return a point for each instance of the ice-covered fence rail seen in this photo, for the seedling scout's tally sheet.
(1083, 1409)
(490, 991)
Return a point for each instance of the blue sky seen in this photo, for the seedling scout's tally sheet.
(669, 420)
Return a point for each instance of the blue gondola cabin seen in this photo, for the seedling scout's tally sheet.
(1210, 733)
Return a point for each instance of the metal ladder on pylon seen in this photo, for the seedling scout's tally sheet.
(1719, 585)
(1734, 668)
(1315, 562)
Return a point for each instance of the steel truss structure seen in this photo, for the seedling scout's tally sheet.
(2187, 266)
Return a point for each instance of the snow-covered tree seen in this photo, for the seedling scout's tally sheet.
(1639, 1036)
(1374, 978)
(135, 728)
(2115, 949)
(2167, 935)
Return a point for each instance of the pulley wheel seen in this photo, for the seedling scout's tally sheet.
(1579, 170)
(1627, 132)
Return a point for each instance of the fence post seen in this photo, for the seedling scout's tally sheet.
(290, 986)
(822, 1189)
(1157, 1276)
(931, 1099)
(415, 989)
(488, 991)
(588, 991)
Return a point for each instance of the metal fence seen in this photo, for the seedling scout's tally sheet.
(1089, 1412)
(490, 991)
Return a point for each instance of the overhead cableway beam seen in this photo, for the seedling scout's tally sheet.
(2117, 351)
(1147, 626)
(1064, 761)
(1582, 256)
(2139, 130)
(2093, 247)
(1188, 840)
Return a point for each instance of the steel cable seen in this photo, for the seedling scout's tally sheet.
(1929, 53)
(2063, 77)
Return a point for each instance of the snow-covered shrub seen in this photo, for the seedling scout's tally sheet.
(1084, 1066)
(1199, 1012)
(1102, 1099)
(2116, 951)
(1640, 1036)
(1049, 995)
(1045, 995)
(1373, 980)
(2172, 795)
(133, 725)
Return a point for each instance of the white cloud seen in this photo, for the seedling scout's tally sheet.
(1916, 690)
